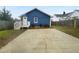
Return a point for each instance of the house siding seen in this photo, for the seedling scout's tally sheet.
(42, 18)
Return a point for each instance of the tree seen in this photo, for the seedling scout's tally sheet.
(5, 15)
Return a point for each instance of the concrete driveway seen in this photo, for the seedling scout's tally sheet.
(42, 40)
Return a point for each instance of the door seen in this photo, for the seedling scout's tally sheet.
(26, 23)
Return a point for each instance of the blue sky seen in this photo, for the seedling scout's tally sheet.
(16, 11)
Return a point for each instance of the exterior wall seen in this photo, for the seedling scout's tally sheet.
(42, 18)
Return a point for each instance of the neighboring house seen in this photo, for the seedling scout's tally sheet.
(75, 13)
(55, 18)
(74, 16)
(67, 16)
(35, 17)
(71, 19)
(60, 16)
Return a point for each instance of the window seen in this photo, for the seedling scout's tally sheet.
(35, 19)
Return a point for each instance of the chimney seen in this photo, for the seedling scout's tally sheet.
(64, 13)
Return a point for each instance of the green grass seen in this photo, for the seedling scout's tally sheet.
(8, 35)
(5, 33)
(69, 30)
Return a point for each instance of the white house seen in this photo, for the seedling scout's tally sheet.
(55, 18)
(59, 17)
(75, 13)
(68, 16)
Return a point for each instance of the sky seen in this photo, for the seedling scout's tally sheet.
(16, 11)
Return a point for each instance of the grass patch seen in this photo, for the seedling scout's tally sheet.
(69, 30)
(8, 35)
(5, 33)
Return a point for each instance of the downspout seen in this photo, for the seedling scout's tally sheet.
(21, 22)
(50, 22)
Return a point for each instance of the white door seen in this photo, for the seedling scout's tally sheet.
(25, 22)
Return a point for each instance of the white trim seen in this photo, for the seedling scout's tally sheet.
(35, 19)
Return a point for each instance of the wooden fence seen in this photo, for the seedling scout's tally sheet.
(69, 23)
(6, 25)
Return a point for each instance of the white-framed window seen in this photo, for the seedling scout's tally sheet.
(35, 19)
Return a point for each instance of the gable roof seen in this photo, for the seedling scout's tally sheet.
(66, 15)
(61, 15)
(37, 10)
(73, 12)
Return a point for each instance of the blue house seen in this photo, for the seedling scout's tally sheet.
(35, 17)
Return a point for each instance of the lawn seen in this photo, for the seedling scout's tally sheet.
(69, 30)
(8, 35)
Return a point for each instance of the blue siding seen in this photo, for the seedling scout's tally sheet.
(43, 19)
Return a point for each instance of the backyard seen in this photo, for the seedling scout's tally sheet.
(8, 35)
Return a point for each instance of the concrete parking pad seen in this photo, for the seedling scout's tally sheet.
(42, 40)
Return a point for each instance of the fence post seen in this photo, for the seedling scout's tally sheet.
(75, 23)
